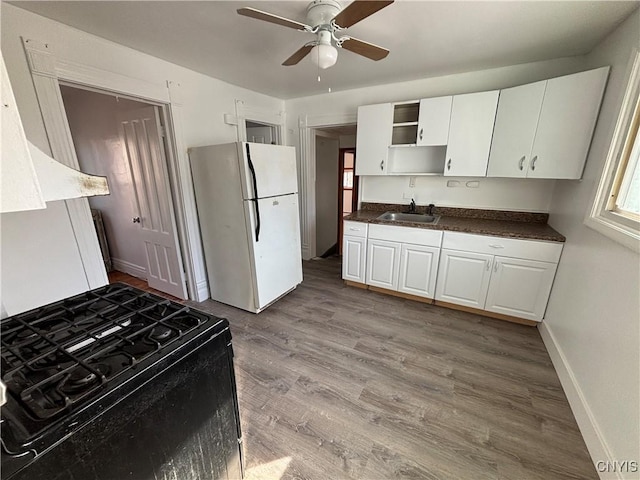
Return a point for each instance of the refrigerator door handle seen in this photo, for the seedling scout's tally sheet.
(255, 192)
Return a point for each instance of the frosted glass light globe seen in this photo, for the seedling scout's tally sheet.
(324, 56)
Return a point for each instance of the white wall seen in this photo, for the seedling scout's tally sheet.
(593, 318)
(327, 163)
(508, 194)
(205, 101)
(93, 119)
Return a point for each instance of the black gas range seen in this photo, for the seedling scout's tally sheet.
(118, 383)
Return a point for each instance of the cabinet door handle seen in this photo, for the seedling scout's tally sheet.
(488, 265)
(354, 229)
(533, 162)
(521, 163)
(496, 245)
(495, 266)
(421, 133)
(382, 165)
(449, 165)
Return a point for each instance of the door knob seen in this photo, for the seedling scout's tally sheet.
(136, 219)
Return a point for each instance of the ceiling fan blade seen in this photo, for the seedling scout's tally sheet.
(268, 17)
(366, 49)
(359, 10)
(299, 55)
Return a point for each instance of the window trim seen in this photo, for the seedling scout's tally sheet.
(602, 216)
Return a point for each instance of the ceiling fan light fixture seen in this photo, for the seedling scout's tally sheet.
(324, 56)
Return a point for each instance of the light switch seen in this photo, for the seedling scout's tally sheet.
(412, 182)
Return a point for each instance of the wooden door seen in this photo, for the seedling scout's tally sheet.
(383, 263)
(567, 119)
(520, 288)
(143, 147)
(463, 278)
(354, 258)
(470, 132)
(418, 270)
(373, 138)
(347, 189)
(515, 129)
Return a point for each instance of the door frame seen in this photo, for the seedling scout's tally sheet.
(47, 70)
(307, 173)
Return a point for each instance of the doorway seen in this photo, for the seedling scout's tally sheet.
(347, 189)
(258, 132)
(123, 139)
(336, 193)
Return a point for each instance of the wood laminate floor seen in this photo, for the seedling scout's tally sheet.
(337, 382)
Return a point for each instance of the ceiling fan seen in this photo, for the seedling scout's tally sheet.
(324, 19)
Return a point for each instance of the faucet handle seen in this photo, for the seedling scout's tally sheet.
(430, 209)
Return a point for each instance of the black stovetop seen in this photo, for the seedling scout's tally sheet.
(58, 357)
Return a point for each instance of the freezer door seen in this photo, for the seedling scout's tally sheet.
(267, 170)
(275, 246)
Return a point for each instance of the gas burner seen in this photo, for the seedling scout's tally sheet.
(161, 333)
(78, 380)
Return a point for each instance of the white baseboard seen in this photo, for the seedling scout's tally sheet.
(130, 268)
(202, 291)
(596, 444)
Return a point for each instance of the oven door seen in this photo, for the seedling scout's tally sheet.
(181, 423)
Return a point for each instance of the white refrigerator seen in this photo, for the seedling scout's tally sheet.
(247, 201)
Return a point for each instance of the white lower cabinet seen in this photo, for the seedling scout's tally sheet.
(418, 270)
(516, 283)
(383, 259)
(403, 259)
(506, 276)
(520, 288)
(463, 278)
(354, 251)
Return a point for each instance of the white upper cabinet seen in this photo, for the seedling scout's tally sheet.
(567, 119)
(515, 130)
(470, 131)
(373, 138)
(433, 121)
(544, 129)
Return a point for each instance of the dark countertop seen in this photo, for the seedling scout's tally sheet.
(527, 226)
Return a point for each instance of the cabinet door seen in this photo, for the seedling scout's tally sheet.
(470, 131)
(373, 138)
(418, 270)
(383, 259)
(520, 288)
(515, 129)
(567, 119)
(433, 121)
(354, 250)
(463, 278)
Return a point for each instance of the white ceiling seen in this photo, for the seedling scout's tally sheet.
(426, 38)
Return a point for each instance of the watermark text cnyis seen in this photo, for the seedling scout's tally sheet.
(621, 466)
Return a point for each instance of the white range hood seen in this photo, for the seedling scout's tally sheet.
(29, 177)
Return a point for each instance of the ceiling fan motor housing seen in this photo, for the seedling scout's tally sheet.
(321, 12)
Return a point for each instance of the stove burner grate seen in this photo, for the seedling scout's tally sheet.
(63, 354)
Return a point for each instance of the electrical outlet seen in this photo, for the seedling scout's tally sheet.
(453, 183)
(473, 184)
(412, 182)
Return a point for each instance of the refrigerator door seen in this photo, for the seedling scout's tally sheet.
(267, 170)
(275, 246)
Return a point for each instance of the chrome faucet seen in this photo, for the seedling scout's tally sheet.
(412, 206)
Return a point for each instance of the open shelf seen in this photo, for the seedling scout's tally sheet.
(417, 160)
(406, 112)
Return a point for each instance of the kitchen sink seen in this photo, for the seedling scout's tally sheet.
(409, 217)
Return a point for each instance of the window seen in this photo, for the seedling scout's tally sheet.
(616, 209)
